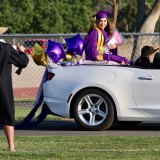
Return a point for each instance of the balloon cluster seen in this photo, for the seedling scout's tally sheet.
(55, 51)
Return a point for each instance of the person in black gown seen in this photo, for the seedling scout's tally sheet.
(9, 56)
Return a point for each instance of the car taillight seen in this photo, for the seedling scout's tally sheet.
(50, 75)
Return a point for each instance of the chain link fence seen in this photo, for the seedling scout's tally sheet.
(26, 85)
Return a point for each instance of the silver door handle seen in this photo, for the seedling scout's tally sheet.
(146, 77)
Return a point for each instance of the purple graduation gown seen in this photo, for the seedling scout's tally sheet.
(8, 56)
(90, 44)
(90, 47)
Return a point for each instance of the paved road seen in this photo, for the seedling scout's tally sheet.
(69, 128)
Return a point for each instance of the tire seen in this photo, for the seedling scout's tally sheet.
(93, 110)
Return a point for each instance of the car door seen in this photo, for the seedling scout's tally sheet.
(146, 90)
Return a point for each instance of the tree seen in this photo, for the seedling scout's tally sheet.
(66, 16)
(115, 12)
(126, 18)
(45, 16)
(153, 17)
(148, 26)
(13, 16)
(140, 14)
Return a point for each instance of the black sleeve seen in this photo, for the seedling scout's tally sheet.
(19, 59)
(142, 62)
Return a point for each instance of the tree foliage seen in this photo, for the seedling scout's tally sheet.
(63, 16)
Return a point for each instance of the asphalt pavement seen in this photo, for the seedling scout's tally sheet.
(70, 128)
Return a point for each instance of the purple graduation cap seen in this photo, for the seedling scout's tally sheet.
(101, 14)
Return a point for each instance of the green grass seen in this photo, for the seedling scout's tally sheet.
(83, 148)
(79, 147)
(21, 112)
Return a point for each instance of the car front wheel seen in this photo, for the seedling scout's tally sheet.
(93, 110)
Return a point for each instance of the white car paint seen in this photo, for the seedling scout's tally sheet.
(134, 91)
(146, 89)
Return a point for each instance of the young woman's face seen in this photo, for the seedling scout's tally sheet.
(102, 23)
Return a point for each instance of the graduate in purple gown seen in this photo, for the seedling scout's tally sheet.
(98, 36)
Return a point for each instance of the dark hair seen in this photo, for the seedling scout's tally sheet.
(108, 28)
(146, 51)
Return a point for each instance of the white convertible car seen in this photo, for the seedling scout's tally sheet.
(98, 94)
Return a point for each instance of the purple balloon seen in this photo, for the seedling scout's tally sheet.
(55, 51)
(75, 44)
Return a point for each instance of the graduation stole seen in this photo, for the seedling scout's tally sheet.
(100, 41)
